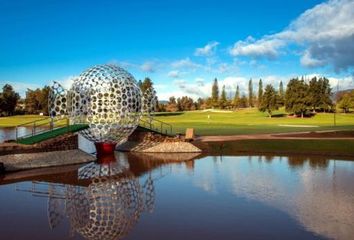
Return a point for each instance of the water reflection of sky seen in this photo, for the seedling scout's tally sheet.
(213, 198)
(318, 194)
(9, 133)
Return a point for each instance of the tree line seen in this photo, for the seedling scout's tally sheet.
(299, 98)
(35, 101)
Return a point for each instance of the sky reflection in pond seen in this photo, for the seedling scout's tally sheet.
(212, 197)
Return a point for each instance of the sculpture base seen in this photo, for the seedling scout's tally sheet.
(105, 152)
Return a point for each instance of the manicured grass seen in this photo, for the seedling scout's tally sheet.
(301, 146)
(47, 135)
(20, 119)
(27, 121)
(245, 121)
(251, 121)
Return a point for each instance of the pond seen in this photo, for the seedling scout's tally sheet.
(211, 197)
(9, 133)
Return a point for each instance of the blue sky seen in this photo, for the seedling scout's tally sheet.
(182, 45)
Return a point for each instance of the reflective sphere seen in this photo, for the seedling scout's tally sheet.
(106, 97)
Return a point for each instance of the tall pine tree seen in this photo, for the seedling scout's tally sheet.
(296, 97)
(250, 93)
(269, 101)
(223, 100)
(215, 93)
(236, 101)
(281, 94)
(260, 92)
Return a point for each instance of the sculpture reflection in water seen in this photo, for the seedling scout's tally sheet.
(107, 208)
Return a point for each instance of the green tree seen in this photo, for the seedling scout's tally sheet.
(236, 101)
(172, 105)
(223, 100)
(250, 93)
(269, 101)
(243, 101)
(320, 94)
(43, 100)
(346, 102)
(185, 104)
(8, 100)
(296, 97)
(32, 103)
(146, 84)
(215, 93)
(281, 97)
(326, 102)
(36, 101)
(140, 84)
(200, 104)
(260, 92)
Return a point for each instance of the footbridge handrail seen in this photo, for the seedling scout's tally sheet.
(50, 122)
(156, 125)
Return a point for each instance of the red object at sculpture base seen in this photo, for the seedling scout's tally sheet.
(105, 152)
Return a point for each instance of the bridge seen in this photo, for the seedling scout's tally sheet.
(48, 128)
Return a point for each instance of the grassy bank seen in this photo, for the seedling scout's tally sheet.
(251, 121)
(19, 119)
(245, 121)
(284, 146)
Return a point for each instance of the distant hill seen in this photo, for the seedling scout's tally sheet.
(337, 94)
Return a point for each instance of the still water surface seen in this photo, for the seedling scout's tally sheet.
(146, 197)
(9, 133)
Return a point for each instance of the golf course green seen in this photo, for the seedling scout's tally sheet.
(251, 121)
(243, 121)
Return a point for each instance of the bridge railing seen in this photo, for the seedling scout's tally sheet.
(40, 126)
(50, 124)
(156, 125)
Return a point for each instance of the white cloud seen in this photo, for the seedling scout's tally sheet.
(185, 63)
(148, 67)
(67, 81)
(309, 61)
(173, 74)
(266, 47)
(200, 81)
(325, 33)
(207, 50)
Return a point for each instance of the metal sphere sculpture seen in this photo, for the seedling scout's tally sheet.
(107, 98)
(57, 101)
